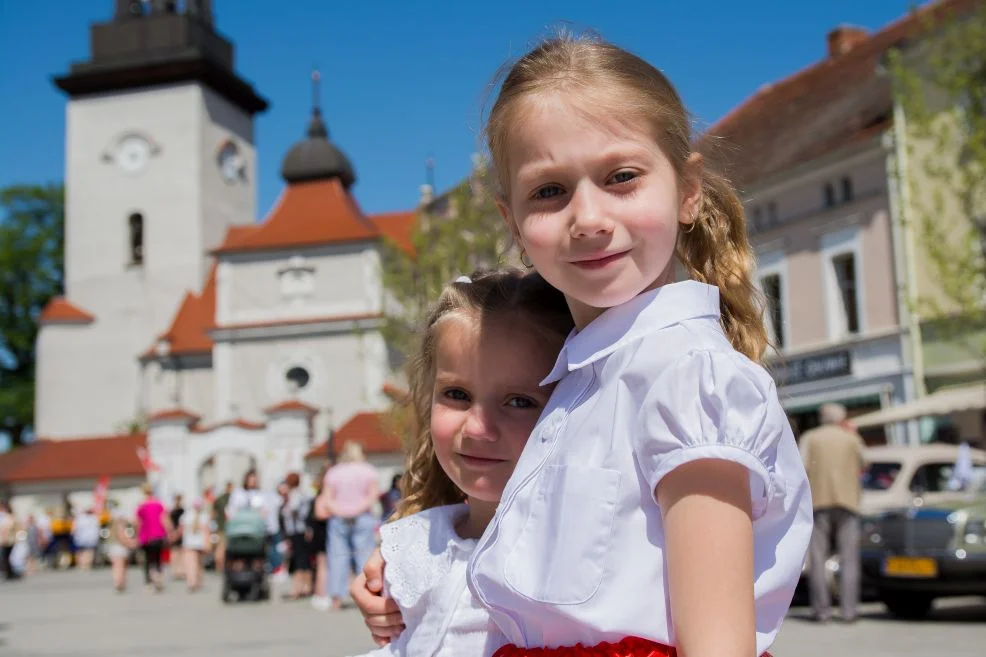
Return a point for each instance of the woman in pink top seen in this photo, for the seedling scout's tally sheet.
(349, 493)
(153, 528)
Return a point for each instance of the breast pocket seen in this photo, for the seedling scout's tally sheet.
(560, 555)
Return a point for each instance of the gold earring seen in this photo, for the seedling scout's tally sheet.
(690, 226)
(525, 259)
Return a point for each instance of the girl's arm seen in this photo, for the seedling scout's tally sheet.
(709, 532)
(372, 497)
(324, 504)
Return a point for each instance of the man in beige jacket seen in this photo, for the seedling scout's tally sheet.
(833, 456)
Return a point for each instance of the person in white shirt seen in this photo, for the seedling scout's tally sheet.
(85, 534)
(196, 540)
(661, 506)
(475, 393)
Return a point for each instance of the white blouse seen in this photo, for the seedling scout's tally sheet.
(426, 575)
(575, 552)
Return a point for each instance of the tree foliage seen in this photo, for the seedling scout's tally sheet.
(940, 83)
(31, 255)
(454, 236)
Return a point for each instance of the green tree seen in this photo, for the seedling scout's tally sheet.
(455, 235)
(32, 241)
(939, 82)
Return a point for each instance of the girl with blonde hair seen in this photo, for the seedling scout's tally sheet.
(475, 395)
(661, 507)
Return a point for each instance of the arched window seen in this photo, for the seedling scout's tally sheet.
(136, 224)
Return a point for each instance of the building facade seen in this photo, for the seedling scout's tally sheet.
(216, 342)
(825, 163)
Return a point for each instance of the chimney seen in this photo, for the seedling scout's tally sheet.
(844, 38)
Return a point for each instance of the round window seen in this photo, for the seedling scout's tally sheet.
(298, 377)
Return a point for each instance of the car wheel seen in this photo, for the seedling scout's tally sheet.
(907, 606)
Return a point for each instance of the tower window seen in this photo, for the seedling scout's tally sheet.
(136, 225)
(772, 214)
(847, 194)
(829, 193)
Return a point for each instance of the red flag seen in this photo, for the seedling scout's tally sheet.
(99, 494)
(145, 460)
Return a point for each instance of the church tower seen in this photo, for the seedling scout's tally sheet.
(159, 162)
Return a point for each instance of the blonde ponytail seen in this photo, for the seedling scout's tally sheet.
(716, 251)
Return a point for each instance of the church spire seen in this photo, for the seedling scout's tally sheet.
(315, 157)
(316, 127)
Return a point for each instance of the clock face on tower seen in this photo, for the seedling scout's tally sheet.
(230, 161)
(132, 153)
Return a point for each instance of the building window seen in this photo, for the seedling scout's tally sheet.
(757, 218)
(297, 280)
(829, 195)
(771, 286)
(844, 266)
(847, 192)
(136, 226)
(771, 214)
(298, 378)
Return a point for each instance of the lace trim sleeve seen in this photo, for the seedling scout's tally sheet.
(417, 554)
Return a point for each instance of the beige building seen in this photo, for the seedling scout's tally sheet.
(816, 156)
(211, 341)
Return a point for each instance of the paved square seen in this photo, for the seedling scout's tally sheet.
(74, 614)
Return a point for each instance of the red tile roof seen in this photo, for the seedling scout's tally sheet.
(81, 458)
(398, 227)
(60, 310)
(173, 414)
(829, 105)
(302, 321)
(307, 214)
(368, 429)
(188, 334)
(289, 406)
(238, 422)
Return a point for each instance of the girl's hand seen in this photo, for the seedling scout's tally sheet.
(381, 614)
(709, 539)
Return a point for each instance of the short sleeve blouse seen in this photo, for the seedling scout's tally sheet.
(426, 576)
(575, 553)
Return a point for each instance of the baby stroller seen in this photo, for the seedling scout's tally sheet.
(246, 555)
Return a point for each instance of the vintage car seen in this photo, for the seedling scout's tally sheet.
(897, 477)
(913, 555)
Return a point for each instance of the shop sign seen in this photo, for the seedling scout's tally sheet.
(812, 368)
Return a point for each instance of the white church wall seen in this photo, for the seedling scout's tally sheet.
(230, 170)
(346, 373)
(77, 393)
(39, 496)
(226, 440)
(198, 392)
(334, 281)
(191, 388)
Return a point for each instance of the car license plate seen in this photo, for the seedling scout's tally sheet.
(910, 567)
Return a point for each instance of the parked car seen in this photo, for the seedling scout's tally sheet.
(897, 477)
(913, 555)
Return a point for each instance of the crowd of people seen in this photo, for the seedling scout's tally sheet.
(317, 535)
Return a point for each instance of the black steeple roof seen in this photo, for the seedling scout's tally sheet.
(315, 157)
(148, 44)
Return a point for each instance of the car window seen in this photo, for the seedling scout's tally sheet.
(932, 478)
(880, 475)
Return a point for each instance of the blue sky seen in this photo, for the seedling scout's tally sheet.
(403, 81)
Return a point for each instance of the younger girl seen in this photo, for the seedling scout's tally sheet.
(661, 504)
(475, 395)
